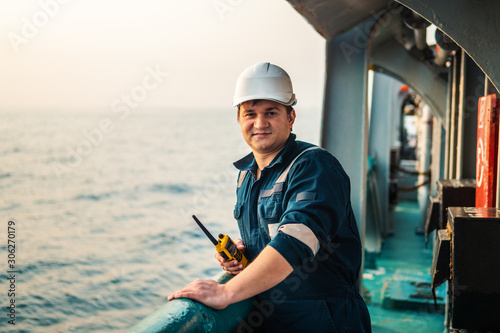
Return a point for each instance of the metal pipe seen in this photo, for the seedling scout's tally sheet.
(486, 85)
(424, 145)
(419, 25)
(438, 152)
(441, 56)
(445, 42)
(421, 38)
(446, 45)
(447, 124)
(413, 20)
(489, 89)
(498, 178)
(460, 116)
(452, 174)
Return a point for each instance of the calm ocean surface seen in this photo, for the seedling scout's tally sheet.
(102, 209)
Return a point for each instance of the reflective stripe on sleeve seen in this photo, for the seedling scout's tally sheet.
(306, 196)
(303, 233)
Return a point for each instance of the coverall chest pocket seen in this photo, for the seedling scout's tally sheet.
(269, 212)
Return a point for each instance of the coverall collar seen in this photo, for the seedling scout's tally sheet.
(248, 162)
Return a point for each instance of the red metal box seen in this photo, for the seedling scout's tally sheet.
(487, 144)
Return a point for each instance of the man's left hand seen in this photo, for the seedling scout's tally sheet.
(206, 291)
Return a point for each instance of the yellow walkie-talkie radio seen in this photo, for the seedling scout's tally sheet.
(225, 246)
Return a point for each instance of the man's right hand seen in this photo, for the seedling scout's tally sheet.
(232, 267)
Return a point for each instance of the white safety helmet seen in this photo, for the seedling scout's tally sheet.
(264, 81)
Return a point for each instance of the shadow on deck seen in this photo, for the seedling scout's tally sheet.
(395, 304)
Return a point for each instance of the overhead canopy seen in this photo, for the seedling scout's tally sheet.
(333, 18)
(471, 24)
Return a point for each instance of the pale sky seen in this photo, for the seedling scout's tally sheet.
(71, 54)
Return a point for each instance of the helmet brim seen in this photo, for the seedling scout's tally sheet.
(241, 100)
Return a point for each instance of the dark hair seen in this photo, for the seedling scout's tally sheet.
(288, 108)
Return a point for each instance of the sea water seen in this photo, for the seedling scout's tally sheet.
(100, 209)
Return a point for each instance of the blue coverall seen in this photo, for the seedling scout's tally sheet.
(307, 217)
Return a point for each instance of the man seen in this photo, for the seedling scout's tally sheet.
(295, 217)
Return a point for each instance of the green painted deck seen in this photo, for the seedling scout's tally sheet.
(403, 255)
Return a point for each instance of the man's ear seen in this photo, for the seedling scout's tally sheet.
(291, 118)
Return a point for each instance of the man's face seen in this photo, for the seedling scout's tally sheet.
(265, 126)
